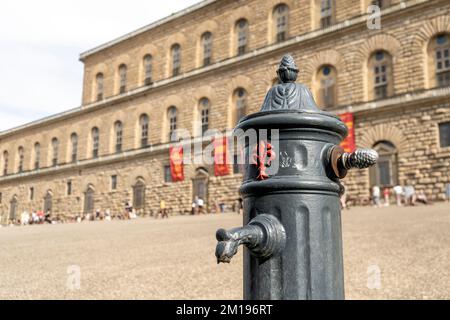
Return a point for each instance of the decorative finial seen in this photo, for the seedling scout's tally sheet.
(288, 70)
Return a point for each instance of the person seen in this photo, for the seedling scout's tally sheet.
(222, 207)
(194, 208)
(162, 210)
(47, 217)
(447, 191)
(386, 194)
(410, 195)
(107, 215)
(128, 209)
(41, 216)
(376, 196)
(200, 206)
(25, 218)
(422, 197)
(398, 191)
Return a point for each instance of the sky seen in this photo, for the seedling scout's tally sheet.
(40, 43)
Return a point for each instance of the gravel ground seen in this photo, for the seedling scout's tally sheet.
(174, 259)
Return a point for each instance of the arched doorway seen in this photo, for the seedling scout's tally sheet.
(139, 194)
(89, 200)
(13, 209)
(48, 202)
(385, 172)
(200, 185)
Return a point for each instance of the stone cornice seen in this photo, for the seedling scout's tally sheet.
(316, 35)
(400, 101)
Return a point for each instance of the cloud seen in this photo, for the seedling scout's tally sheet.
(40, 42)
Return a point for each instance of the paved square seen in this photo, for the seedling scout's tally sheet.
(174, 259)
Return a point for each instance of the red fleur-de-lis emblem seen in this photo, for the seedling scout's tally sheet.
(262, 157)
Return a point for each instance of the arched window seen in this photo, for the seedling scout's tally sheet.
(241, 36)
(118, 130)
(326, 13)
(95, 142)
(55, 147)
(20, 153)
(240, 104)
(148, 69)
(380, 3)
(5, 162)
(326, 84)
(176, 59)
(204, 114)
(172, 117)
(74, 144)
(89, 200)
(380, 75)
(385, 172)
(439, 53)
(139, 195)
(99, 85)
(281, 22)
(37, 155)
(122, 78)
(48, 202)
(207, 48)
(144, 130)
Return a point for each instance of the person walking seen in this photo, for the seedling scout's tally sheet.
(398, 191)
(386, 195)
(376, 192)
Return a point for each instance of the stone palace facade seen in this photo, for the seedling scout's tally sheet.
(212, 63)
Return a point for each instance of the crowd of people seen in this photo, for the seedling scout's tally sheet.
(128, 213)
(404, 195)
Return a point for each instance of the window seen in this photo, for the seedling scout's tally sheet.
(326, 79)
(242, 36)
(384, 173)
(139, 195)
(148, 69)
(69, 188)
(5, 162)
(380, 65)
(172, 115)
(21, 156)
(204, 114)
(442, 60)
(89, 200)
(176, 59)
(114, 182)
(122, 78)
(99, 84)
(380, 3)
(326, 13)
(444, 134)
(167, 174)
(240, 104)
(207, 48)
(95, 142)
(144, 130)
(37, 155)
(13, 209)
(281, 20)
(31, 193)
(55, 146)
(74, 143)
(119, 132)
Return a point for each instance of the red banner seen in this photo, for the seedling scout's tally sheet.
(220, 157)
(176, 163)
(348, 144)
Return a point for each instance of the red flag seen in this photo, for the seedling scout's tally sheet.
(348, 144)
(220, 157)
(176, 163)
